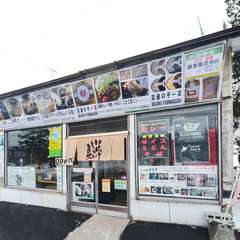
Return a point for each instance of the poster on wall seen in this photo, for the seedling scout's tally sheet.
(191, 140)
(165, 81)
(179, 181)
(82, 190)
(83, 92)
(1, 154)
(21, 176)
(203, 73)
(3, 112)
(13, 106)
(154, 142)
(44, 101)
(62, 96)
(55, 142)
(29, 104)
(134, 88)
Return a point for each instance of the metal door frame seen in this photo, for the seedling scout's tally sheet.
(96, 207)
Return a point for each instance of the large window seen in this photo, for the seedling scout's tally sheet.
(31, 158)
(177, 153)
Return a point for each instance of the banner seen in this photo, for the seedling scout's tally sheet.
(55, 142)
(99, 147)
(163, 82)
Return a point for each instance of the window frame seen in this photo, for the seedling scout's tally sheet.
(216, 106)
(6, 161)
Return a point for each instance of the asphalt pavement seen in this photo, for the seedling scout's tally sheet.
(162, 231)
(24, 222)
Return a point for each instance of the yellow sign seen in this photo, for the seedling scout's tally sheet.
(55, 142)
(106, 185)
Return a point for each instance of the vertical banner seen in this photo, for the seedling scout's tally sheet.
(55, 142)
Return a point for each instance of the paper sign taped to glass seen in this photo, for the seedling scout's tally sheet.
(106, 185)
(179, 181)
(82, 190)
(22, 176)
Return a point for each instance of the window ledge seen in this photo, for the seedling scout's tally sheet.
(35, 189)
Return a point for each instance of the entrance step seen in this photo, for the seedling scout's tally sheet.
(99, 227)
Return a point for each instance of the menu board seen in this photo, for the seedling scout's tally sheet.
(179, 181)
(203, 73)
(21, 176)
(191, 140)
(154, 141)
(154, 84)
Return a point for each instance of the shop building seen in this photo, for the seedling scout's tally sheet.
(147, 138)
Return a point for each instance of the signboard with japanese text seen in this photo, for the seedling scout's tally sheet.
(179, 181)
(203, 73)
(161, 83)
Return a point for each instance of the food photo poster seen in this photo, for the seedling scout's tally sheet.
(173, 80)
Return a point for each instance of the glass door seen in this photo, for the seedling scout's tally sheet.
(83, 185)
(99, 185)
(112, 183)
